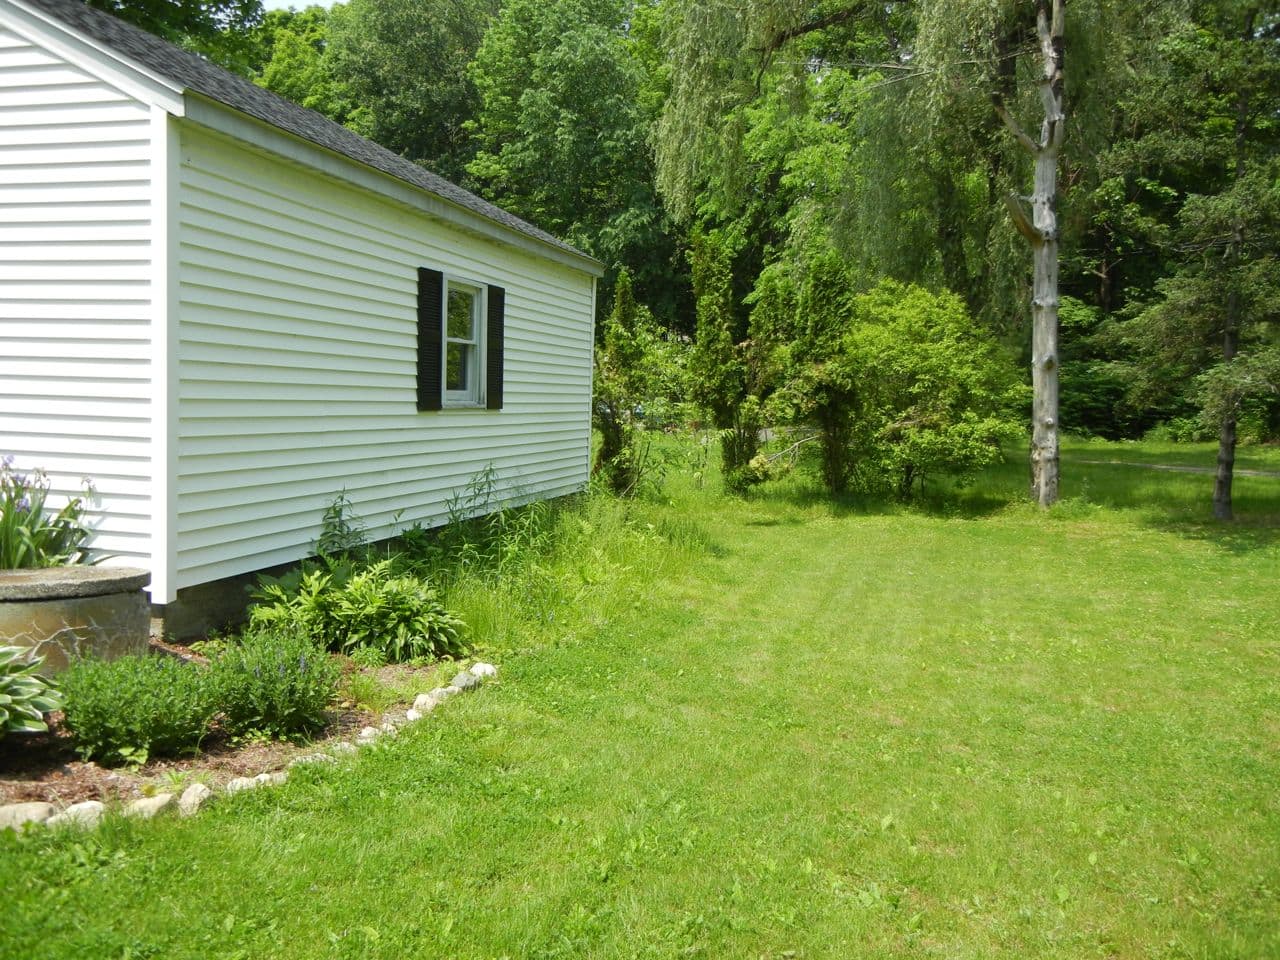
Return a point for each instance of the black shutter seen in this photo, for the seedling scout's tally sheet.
(493, 347)
(430, 335)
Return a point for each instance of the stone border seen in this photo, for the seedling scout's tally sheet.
(89, 813)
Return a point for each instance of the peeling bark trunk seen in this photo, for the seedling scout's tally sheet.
(1041, 231)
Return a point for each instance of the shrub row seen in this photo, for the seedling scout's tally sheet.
(271, 682)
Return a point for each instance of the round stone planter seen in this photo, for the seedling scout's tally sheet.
(63, 613)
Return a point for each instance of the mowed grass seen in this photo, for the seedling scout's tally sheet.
(777, 728)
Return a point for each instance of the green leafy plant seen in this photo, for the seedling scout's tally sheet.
(400, 615)
(341, 530)
(137, 707)
(396, 612)
(32, 534)
(274, 682)
(24, 697)
(369, 657)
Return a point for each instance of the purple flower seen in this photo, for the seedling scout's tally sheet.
(23, 505)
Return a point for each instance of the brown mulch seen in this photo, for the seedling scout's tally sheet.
(44, 766)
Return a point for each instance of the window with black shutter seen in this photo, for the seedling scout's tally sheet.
(460, 342)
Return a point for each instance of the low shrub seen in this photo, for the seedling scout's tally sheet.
(274, 682)
(24, 697)
(396, 612)
(137, 707)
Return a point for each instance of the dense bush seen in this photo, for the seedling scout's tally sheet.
(398, 612)
(24, 697)
(274, 682)
(32, 534)
(137, 707)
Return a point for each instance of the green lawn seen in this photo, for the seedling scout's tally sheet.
(777, 728)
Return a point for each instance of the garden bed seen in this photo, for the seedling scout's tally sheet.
(44, 766)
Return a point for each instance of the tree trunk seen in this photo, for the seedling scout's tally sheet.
(1041, 231)
(1222, 508)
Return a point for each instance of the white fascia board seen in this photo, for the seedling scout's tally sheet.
(102, 62)
(232, 123)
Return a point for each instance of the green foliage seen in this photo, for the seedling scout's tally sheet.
(720, 375)
(274, 682)
(136, 707)
(567, 97)
(341, 530)
(25, 697)
(900, 383)
(375, 606)
(400, 70)
(635, 377)
(216, 29)
(32, 534)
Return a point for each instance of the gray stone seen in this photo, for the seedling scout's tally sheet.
(342, 746)
(388, 729)
(84, 814)
(272, 779)
(367, 733)
(466, 681)
(412, 715)
(484, 670)
(15, 815)
(148, 807)
(442, 693)
(241, 783)
(452, 691)
(193, 799)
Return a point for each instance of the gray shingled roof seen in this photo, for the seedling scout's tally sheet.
(200, 76)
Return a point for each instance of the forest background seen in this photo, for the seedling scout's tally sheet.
(795, 200)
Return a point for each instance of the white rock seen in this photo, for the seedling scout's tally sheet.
(389, 729)
(148, 807)
(241, 783)
(367, 735)
(441, 693)
(193, 798)
(342, 746)
(484, 670)
(272, 779)
(453, 691)
(412, 715)
(85, 814)
(15, 815)
(426, 702)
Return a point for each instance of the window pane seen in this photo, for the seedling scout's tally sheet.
(461, 314)
(457, 357)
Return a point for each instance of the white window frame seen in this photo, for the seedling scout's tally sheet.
(474, 395)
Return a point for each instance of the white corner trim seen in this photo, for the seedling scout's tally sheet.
(102, 62)
(257, 133)
(165, 258)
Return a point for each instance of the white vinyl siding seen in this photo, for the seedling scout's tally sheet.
(75, 263)
(298, 345)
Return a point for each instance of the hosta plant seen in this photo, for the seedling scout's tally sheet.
(24, 697)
